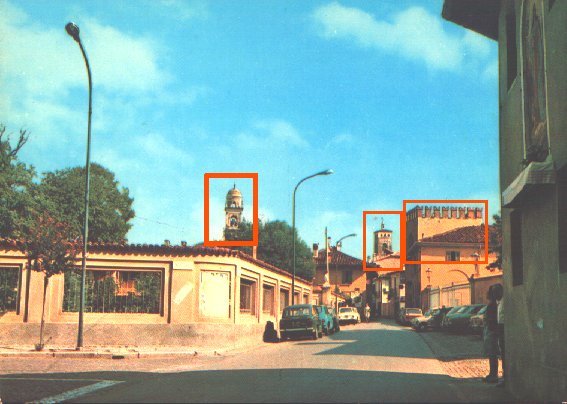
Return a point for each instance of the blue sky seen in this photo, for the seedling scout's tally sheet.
(400, 103)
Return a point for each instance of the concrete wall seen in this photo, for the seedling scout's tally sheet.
(188, 335)
(180, 318)
(479, 288)
(536, 325)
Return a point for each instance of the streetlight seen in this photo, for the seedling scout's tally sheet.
(337, 289)
(73, 30)
(325, 172)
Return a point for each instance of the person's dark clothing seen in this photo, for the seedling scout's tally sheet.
(491, 317)
(491, 340)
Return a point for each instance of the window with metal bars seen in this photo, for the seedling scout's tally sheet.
(9, 280)
(114, 292)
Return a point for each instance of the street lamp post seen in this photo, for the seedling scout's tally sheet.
(73, 30)
(337, 289)
(325, 172)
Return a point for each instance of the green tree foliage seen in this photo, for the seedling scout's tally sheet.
(495, 241)
(16, 182)
(110, 206)
(50, 249)
(275, 246)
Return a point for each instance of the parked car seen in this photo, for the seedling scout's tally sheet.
(300, 320)
(476, 324)
(407, 314)
(458, 321)
(348, 315)
(431, 319)
(326, 319)
(449, 313)
(336, 325)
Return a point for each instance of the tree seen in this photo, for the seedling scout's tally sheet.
(16, 181)
(110, 206)
(50, 250)
(495, 241)
(275, 246)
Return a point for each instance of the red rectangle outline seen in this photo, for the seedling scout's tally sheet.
(232, 243)
(402, 237)
(454, 201)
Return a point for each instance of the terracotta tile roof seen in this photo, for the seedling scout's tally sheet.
(163, 251)
(389, 261)
(468, 234)
(336, 258)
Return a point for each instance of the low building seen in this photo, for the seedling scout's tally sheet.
(345, 273)
(147, 295)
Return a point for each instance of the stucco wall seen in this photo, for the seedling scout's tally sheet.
(535, 316)
(180, 318)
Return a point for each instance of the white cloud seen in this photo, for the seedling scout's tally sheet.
(270, 134)
(491, 71)
(341, 139)
(157, 147)
(414, 33)
(44, 68)
(183, 10)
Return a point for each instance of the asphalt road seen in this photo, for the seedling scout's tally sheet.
(362, 363)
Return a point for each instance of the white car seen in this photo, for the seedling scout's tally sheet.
(348, 315)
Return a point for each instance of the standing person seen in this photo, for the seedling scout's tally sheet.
(490, 336)
(367, 313)
(499, 296)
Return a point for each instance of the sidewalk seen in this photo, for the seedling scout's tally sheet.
(118, 352)
(460, 354)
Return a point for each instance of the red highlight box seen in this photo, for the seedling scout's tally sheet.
(445, 201)
(233, 243)
(402, 238)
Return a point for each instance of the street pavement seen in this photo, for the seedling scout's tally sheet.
(363, 363)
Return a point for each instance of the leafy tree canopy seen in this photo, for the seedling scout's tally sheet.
(495, 241)
(275, 246)
(110, 206)
(16, 181)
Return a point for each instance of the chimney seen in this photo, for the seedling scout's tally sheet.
(166, 243)
(445, 212)
(183, 243)
(315, 250)
(461, 213)
(436, 212)
(453, 213)
(418, 211)
(428, 211)
(470, 213)
(254, 251)
(478, 213)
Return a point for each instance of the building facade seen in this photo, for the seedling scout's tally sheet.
(532, 53)
(461, 244)
(346, 273)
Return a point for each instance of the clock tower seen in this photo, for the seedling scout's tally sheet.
(233, 209)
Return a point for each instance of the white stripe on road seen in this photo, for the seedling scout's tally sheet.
(72, 394)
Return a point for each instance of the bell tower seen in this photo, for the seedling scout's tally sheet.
(233, 208)
(382, 242)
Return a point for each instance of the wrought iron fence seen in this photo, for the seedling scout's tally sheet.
(8, 289)
(114, 292)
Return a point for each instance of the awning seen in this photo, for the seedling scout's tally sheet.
(533, 178)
